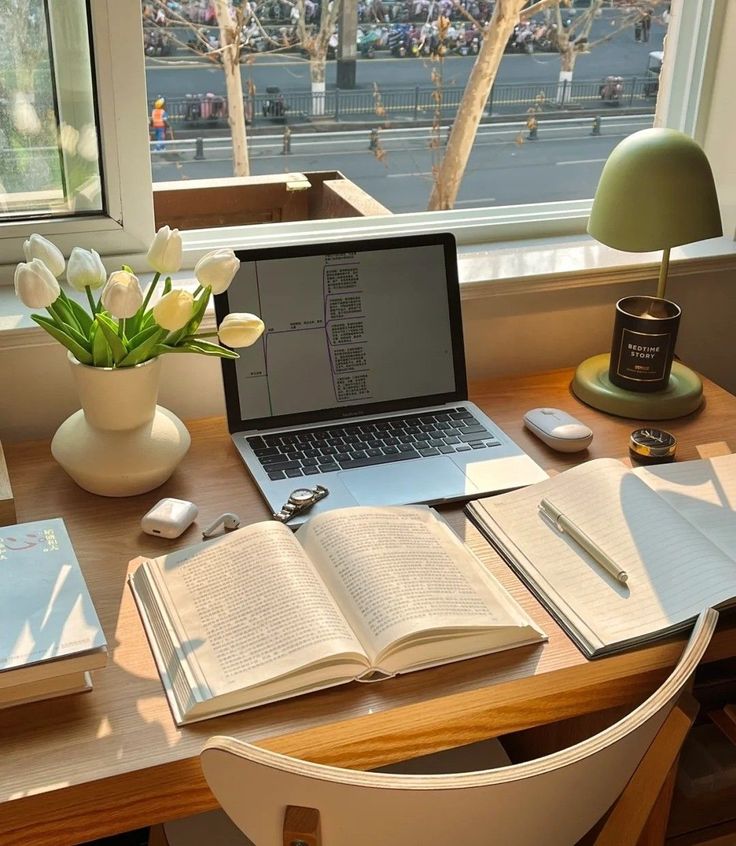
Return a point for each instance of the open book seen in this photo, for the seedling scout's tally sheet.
(357, 593)
(671, 527)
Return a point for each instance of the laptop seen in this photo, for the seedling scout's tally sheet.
(358, 383)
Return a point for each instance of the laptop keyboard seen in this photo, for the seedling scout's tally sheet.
(381, 441)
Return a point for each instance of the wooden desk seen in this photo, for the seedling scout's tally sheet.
(112, 760)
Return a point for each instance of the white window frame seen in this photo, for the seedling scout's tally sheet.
(127, 227)
(693, 36)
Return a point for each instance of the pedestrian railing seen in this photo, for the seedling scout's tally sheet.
(415, 103)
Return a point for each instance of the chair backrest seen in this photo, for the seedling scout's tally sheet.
(553, 800)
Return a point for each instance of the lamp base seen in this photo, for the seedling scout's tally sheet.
(682, 396)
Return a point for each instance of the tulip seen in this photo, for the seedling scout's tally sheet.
(174, 310)
(122, 295)
(240, 330)
(85, 270)
(35, 284)
(216, 270)
(38, 247)
(164, 254)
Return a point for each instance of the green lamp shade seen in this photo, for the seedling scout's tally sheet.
(656, 191)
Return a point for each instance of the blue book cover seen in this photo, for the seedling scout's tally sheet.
(46, 612)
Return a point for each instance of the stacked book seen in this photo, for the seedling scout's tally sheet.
(50, 637)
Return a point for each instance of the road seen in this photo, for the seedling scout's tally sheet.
(505, 168)
(622, 56)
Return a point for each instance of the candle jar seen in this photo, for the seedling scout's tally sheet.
(643, 345)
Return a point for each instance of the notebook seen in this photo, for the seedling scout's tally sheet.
(358, 383)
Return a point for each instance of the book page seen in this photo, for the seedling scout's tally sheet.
(674, 572)
(251, 607)
(703, 492)
(400, 571)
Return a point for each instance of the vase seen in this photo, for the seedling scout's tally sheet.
(120, 443)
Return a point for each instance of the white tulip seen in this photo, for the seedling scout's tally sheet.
(216, 270)
(240, 330)
(122, 295)
(174, 310)
(38, 247)
(164, 254)
(85, 269)
(35, 284)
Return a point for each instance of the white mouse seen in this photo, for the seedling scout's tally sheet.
(558, 429)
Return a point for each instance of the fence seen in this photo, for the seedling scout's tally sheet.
(416, 103)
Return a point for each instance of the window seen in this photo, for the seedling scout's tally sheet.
(50, 147)
(126, 224)
(73, 159)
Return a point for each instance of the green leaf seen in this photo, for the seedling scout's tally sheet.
(76, 349)
(83, 318)
(143, 351)
(100, 350)
(119, 352)
(200, 306)
(70, 327)
(167, 286)
(199, 347)
(142, 336)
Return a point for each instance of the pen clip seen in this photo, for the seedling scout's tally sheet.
(551, 514)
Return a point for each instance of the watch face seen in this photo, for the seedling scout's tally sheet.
(301, 495)
(656, 438)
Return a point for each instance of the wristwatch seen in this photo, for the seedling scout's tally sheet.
(300, 500)
(652, 446)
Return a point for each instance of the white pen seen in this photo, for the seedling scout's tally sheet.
(566, 526)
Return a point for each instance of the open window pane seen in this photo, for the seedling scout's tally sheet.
(49, 142)
(573, 81)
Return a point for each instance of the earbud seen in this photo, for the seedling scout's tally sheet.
(227, 521)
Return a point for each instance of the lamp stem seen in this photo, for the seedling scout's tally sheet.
(663, 268)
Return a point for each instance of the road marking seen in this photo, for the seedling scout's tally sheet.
(580, 161)
(485, 200)
(417, 173)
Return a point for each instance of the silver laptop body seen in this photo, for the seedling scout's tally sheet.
(358, 383)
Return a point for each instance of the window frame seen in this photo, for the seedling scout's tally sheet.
(126, 228)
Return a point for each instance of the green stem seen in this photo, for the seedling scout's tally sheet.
(121, 328)
(91, 300)
(199, 335)
(147, 298)
(57, 320)
(198, 291)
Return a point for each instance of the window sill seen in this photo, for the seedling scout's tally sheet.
(498, 269)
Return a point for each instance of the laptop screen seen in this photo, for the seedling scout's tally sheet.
(351, 328)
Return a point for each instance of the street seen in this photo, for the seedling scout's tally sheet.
(505, 168)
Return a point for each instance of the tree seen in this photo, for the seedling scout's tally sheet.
(315, 40)
(495, 35)
(230, 21)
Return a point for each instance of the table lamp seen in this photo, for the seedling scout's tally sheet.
(656, 192)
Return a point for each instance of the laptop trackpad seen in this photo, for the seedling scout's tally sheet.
(428, 480)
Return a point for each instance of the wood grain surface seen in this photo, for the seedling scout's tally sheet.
(95, 764)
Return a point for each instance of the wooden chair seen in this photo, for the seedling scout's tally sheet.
(553, 801)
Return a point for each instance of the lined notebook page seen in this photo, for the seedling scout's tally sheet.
(674, 571)
(703, 492)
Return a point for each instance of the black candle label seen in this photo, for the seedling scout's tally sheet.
(643, 357)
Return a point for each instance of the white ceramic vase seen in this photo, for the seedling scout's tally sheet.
(120, 443)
